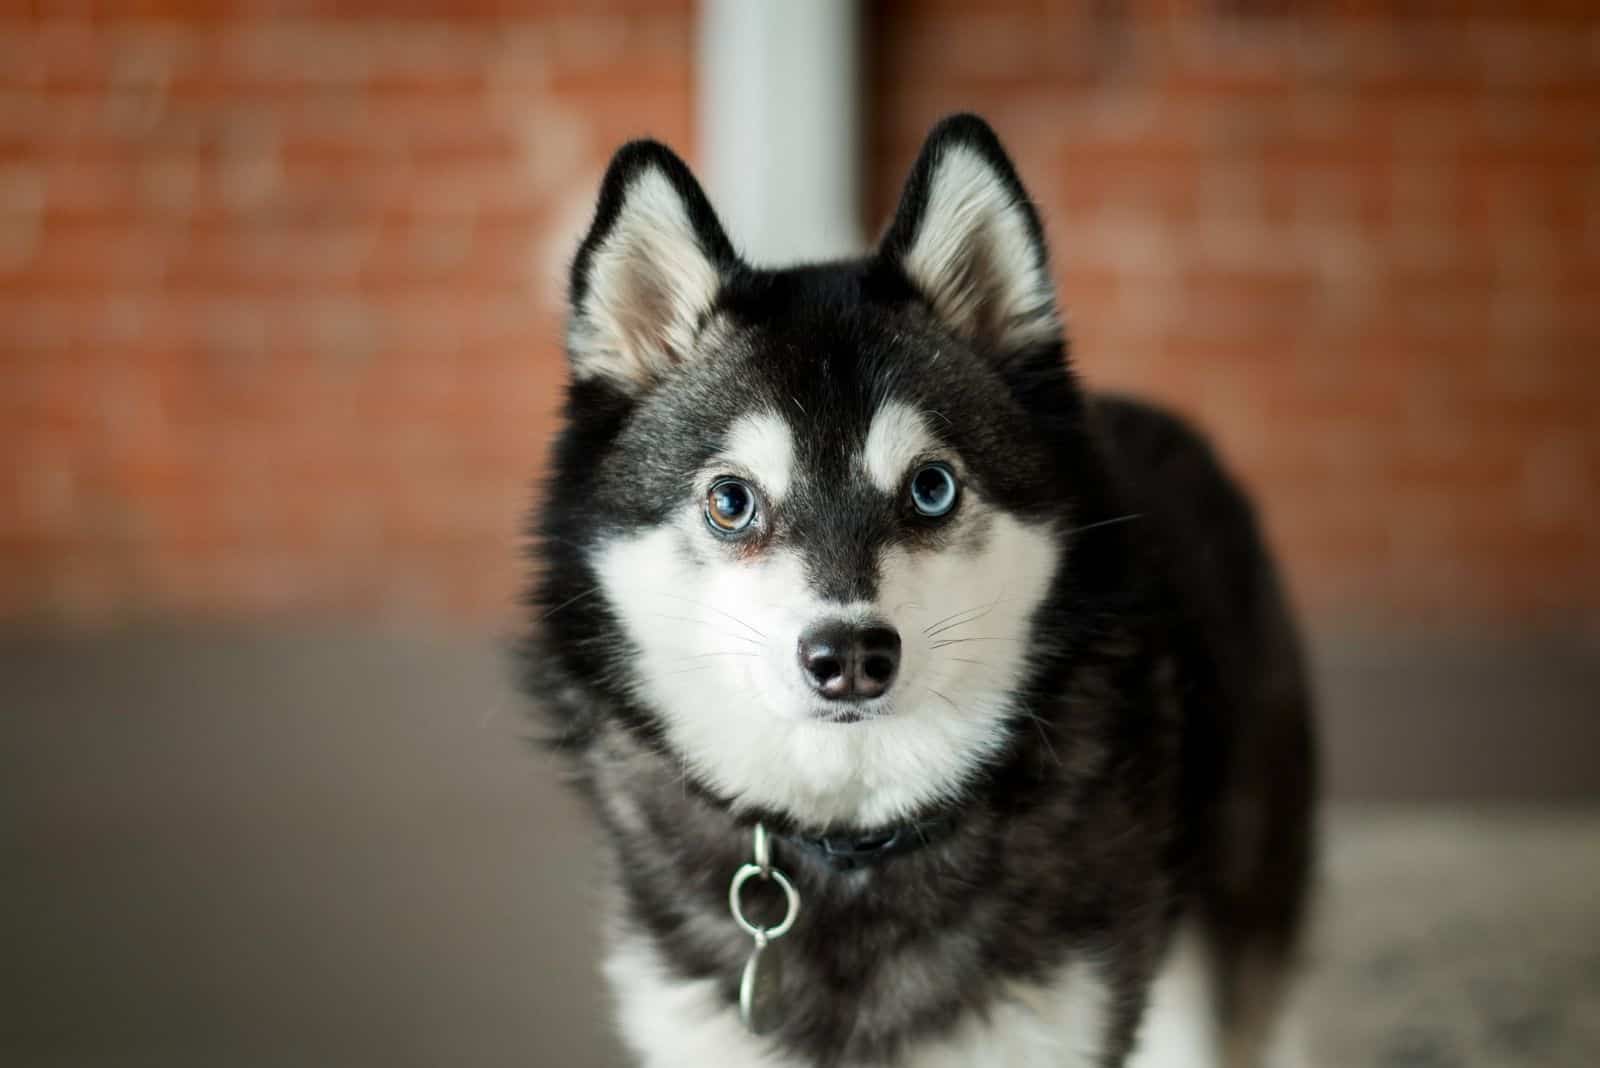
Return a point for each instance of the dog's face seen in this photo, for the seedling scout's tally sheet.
(820, 508)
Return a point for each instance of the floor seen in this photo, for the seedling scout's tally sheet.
(1454, 938)
(259, 848)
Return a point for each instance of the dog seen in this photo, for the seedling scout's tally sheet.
(938, 710)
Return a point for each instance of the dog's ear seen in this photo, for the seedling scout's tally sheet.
(970, 243)
(651, 267)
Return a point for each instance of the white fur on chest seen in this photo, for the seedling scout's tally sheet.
(669, 1023)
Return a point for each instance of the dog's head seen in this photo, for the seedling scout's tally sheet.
(803, 523)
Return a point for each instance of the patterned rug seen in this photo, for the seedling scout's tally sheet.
(1458, 941)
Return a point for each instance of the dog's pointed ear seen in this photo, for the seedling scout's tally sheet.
(652, 266)
(970, 243)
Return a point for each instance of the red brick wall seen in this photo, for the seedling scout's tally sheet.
(277, 294)
(277, 330)
(1363, 251)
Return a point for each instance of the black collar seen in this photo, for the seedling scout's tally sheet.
(844, 852)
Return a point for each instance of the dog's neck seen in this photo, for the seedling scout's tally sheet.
(643, 797)
(839, 849)
(849, 851)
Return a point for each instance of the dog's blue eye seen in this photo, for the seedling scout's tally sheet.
(933, 490)
(730, 506)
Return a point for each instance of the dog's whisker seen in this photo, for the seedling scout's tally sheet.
(720, 611)
(934, 632)
(688, 653)
(974, 613)
(708, 624)
(1040, 725)
(591, 591)
(688, 671)
(942, 642)
(711, 624)
(931, 626)
(1105, 523)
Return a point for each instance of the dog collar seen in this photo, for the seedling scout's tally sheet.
(844, 852)
(761, 982)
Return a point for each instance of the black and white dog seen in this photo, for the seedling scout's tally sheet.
(999, 667)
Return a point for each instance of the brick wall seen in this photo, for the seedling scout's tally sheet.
(277, 328)
(280, 333)
(1364, 250)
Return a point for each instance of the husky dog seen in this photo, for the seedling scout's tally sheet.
(1001, 666)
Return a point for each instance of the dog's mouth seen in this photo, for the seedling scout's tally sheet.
(861, 713)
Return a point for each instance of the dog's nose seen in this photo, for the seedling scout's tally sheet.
(849, 663)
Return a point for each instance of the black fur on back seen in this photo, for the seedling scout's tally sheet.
(1163, 765)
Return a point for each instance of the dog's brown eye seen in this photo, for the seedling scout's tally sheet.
(730, 506)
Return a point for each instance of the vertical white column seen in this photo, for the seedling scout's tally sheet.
(779, 114)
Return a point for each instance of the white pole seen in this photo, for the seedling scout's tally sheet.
(779, 113)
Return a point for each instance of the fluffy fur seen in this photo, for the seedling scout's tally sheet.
(1099, 691)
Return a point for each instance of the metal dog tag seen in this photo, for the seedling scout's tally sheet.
(761, 982)
(760, 989)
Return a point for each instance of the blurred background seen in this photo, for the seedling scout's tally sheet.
(280, 310)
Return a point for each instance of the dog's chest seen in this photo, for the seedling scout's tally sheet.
(1064, 1023)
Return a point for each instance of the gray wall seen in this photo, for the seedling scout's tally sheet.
(246, 847)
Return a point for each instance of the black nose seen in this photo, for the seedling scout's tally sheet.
(848, 663)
